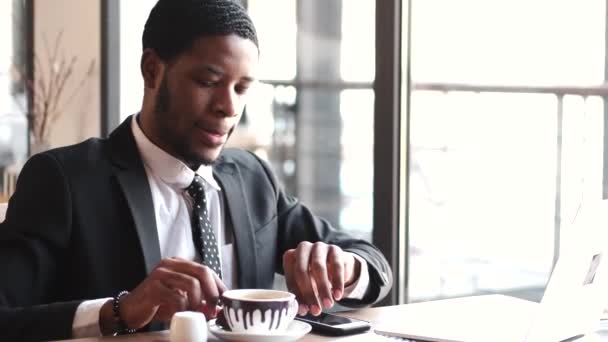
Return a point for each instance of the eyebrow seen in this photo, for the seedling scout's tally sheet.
(213, 70)
(218, 72)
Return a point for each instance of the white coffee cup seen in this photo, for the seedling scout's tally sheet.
(257, 311)
(188, 326)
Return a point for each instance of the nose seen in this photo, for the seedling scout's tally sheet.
(225, 101)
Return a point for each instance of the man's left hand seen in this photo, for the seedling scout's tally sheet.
(317, 274)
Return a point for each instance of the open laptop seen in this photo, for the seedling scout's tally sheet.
(572, 304)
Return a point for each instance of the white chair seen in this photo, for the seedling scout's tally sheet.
(3, 207)
(10, 178)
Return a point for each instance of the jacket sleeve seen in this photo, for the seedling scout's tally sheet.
(297, 223)
(33, 242)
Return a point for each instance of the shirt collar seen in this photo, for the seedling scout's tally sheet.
(169, 169)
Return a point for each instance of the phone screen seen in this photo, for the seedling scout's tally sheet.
(328, 324)
(328, 319)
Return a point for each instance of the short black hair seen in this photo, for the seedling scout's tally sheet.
(173, 25)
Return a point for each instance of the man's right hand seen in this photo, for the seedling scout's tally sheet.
(174, 285)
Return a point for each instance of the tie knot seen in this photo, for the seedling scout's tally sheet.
(196, 188)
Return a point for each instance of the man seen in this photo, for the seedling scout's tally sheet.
(116, 235)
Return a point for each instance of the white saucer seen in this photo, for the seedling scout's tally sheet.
(295, 330)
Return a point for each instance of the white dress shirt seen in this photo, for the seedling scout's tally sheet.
(168, 178)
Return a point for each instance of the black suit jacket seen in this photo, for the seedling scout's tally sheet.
(81, 226)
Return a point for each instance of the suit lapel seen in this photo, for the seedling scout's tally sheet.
(131, 175)
(229, 177)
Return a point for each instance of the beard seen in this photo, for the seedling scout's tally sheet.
(178, 144)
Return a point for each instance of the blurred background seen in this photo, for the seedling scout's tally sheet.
(462, 137)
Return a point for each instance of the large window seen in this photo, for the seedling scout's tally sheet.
(506, 140)
(312, 116)
(14, 65)
(133, 16)
(503, 116)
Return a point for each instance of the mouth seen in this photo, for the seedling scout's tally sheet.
(211, 136)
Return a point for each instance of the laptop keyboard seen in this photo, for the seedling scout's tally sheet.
(394, 338)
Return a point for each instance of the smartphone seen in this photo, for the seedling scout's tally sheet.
(330, 324)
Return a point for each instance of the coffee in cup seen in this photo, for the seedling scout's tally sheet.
(258, 311)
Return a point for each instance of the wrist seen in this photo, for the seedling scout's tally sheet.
(111, 321)
(356, 271)
(123, 328)
(107, 323)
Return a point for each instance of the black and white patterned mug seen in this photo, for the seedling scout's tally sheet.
(258, 311)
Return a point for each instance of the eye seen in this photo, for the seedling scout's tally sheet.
(241, 89)
(206, 83)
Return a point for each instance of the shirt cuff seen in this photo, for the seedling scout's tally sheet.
(357, 289)
(86, 319)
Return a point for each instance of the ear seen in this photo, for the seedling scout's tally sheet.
(152, 68)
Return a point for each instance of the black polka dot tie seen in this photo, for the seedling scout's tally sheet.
(202, 232)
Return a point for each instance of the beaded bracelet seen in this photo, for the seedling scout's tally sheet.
(122, 327)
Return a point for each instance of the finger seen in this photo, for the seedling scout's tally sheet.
(303, 309)
(184, 282)
(318, 270)
(315, 309)
(143, 304)
(210, 307)
(288, 261)
(335, 270)
(181, 265)
(210, 288)
(288, 271)
(171, 301)
(221, 287)
(302, 276)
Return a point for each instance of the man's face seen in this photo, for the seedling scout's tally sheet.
(201, 97)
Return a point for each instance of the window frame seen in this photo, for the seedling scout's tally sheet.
(389, 216)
